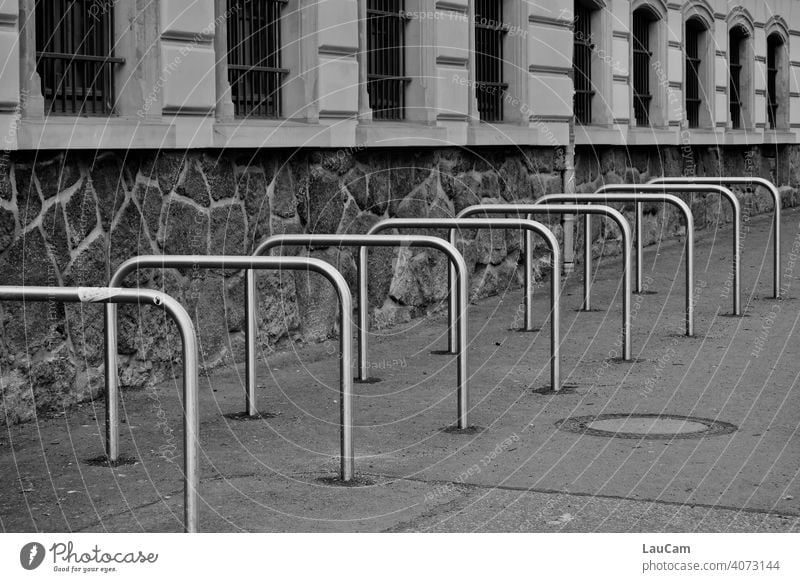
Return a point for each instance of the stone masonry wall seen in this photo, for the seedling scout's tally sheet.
(73, 218)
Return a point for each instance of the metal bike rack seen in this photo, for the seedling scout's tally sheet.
(625, 228)
(112, 296)
(238, 262)
(456, 260)
(685, 189)
(477, 223)
(637, 198)
(776, 218)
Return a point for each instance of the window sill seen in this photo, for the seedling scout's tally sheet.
(742, 136)
(779, 136)
(58, 133)
(653, 136)
(702, 136)
(599, 134)
(399, 134)
(275, 133)
(512, 134)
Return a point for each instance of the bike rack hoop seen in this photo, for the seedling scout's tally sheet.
(776, 215)
(250, 263)
(365, 241)
(112, 296)
(627, 197)
(530, 226)
(528, 209)
(689, 189)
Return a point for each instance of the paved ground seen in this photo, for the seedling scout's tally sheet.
(518, 472)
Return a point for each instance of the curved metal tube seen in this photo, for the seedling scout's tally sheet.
(191, 422)
(687, 189)
(578, 209)
(529, 226)
(666, 198)
(365, 241)
(239, 262)
(776, 217)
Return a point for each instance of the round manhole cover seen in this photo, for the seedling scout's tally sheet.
(645, 426)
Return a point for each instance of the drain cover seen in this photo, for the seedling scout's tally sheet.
(645, 426)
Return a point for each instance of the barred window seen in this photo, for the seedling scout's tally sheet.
(386, 63)
(75, 57)
(642, 53)
(694, 30)
(582, 63)
(774, 45)
(254, 57)
(490, 31)
(735, 45)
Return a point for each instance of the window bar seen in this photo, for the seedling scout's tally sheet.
(490, 30)
(254, 45)
(693, 63)
(582, 62)
(734, 48)
(74, 58)
(386, 80)
(641, 68)
(772, 81)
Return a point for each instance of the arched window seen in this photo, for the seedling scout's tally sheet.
(649, 76)
(741, 60)
(699, 94)
(777, 77)
(736, 39)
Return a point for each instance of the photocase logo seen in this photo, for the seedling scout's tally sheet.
(32, 555)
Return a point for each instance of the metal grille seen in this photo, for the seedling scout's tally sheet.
(773, 46)
(254, 57)
(693, 63)
(489, 32)
(735, 66)
(582, 64)
(641, 67)
(386, 64)
(75, 58)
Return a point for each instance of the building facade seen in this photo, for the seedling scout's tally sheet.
(204, 126)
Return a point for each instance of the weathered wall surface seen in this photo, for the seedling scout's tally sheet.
(71, 219)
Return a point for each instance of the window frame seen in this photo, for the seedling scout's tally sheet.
(582, 61)
(736, 37)
(641, 84)
(100, 63)
(493, 29)
(776, 28)
(741, 69)
(658, 77)
(274, 74)
(699, 16)
(398, 76)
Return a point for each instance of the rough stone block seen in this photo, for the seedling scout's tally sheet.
(219, 173)
(325, 204)
(193, 184)
(128, 238)
(58, 174)
(185, 229)
(29, 201)
(150, 200)
(81, 211)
